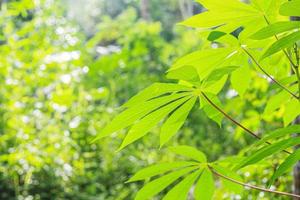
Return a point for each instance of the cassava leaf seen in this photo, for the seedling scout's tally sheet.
(210, 110)
(292, 110)
(159, 169)
(281, 132)
(205, 187)
(290, 8)
(228, 185)
(231, 13)
(268, 151)
(282, 43)
(181, 190)
(189, 152)
(130, 115)
(204, 61)
(175, 121)
(155, 90)
(143, 126)
(274, 29)
(240, 79)
(287, 164)
(154, 187)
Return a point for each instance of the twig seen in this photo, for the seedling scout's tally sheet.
(252, 186)
(234, 121)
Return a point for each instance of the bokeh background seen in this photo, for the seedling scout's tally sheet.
(66, 66)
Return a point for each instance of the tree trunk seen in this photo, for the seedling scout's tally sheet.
(296, 184)
(144, 6)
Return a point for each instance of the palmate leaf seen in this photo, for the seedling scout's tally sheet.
(155, 90)
(287, 164)
(274, 29)
(132, 114)
(204, 61)
(154, 187)
(290, 8)
(142, 127)
(240, 79)
(282, 43)
(268, 151)
(181, 190)
(211, 111)
(279, 133)
(230, 13)
(205, 187)
(228, 185)
(175, 121)
(189, 152)
(292, 110)
(157, 169)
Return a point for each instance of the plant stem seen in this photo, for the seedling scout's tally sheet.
(267, 74)
(252, 186)
(234, 121)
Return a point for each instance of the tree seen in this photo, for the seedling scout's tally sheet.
(244, 39)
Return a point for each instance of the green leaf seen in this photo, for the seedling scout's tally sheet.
(189, 152)
(130, 115)
(175, 121)
(205, 187)
(204, 61)
(287, 164)
(210, 110)
(154, 187)
(278, 133)
(155, 90)
(282, 43)
(159, 169)
(189, 73)
(290, 8)
(274, 29)
(181, 190)
(268, 151)
(229, 185)
(240, 79)
(233, 14)
(143, 126)
(292, 110)
(275, 102)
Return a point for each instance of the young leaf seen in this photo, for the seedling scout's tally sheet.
(204, 61)
(240, 79)
(154, 187)
(205, 187)
(181, 190)
(143, 126)
(228, 185)
(292, 110)
(175, 121)
(268, 151)
(159, 169)
(290, 8)
(189, 152)
(274, 29)
(232, 13)
(130, 115)
(211, 111)
(288, 163)
(275, 102)
(282, 43)
(155, 90)
(279, 133)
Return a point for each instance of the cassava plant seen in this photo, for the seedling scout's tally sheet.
(244, 38)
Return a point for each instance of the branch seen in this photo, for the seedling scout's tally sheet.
(252, 186)
(234, 121)
(268, 75)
